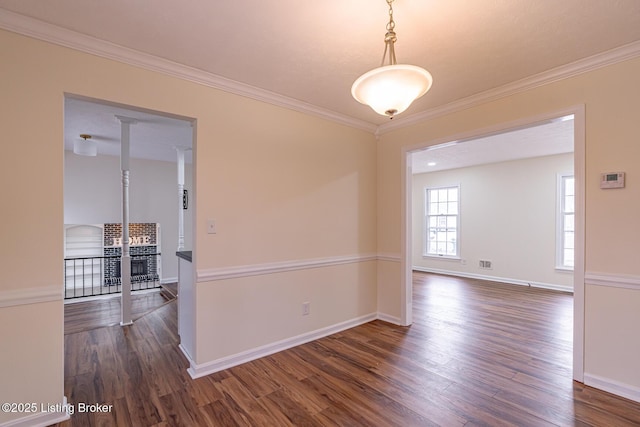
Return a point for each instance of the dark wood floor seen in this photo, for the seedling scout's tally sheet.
(82, 315)
(478, 353)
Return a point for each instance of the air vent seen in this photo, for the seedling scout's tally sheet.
(484, 264)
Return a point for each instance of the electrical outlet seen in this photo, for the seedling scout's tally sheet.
(211, 226)
(306, 308)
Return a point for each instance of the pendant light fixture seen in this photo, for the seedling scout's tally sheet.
(391, 88)
(84, 146)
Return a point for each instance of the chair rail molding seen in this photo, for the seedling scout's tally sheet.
(212, 274)
(14, 297)
(612, 280)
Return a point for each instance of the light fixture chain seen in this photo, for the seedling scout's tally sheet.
(390, 38)
(391, 25)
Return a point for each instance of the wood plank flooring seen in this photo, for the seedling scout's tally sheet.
(82, 315)
(478, 353)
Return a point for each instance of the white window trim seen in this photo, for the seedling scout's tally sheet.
(560, 267)
(425, 225)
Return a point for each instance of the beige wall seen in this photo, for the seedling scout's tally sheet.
(260, 310)
(283, 188)
(610, 96)
(31, 359)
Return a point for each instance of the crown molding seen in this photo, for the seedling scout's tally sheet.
(50, 33)
(610, 57)
(34, 28)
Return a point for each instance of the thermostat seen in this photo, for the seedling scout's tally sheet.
(612, 180)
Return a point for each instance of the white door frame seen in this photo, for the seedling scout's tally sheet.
(578, 112)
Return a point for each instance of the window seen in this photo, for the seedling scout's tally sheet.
(442, 217)
(566, 218)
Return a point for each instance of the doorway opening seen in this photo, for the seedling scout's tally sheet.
(469, 261)
(93, 201)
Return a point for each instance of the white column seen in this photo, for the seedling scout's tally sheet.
(180, 151)
(125, 262)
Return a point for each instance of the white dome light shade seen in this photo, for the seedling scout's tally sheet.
(391, 89)
(85, 147)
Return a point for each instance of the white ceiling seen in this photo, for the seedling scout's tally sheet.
(153, 136)
(310, 52)
(543, 139)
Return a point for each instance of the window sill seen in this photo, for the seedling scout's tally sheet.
(442, 257)
(561, 269)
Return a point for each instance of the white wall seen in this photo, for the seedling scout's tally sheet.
(92, 195)
(507, 216)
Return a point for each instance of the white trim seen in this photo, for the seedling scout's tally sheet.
(442, 258)
(560, 216)
(591, 63)
(40, 30)
(41, 419)
(15, 297)
(187, 355)
(390, 257)
(197, 371)
(390, 319)
(612, 386)
(579, 173)
(507, 280)
(426, 216)
(53, 34)
(166, 280)
(406, 238)
(612, 280)
(212, 274)
(578, 112)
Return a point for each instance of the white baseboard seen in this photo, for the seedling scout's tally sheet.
(390, 319)
(166, 280)
(41, 419)
(187, 355)
(197, 371)
(611, 386)
(506, 280)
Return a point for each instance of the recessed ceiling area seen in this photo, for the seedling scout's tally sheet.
(154, 136)
(544, 139)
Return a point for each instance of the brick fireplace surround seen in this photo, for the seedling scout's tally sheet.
(143, 241)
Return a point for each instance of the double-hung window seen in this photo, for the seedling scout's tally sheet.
(442, 218)
(566, 221)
